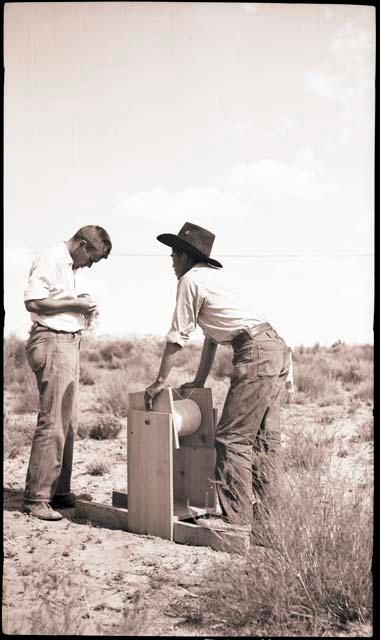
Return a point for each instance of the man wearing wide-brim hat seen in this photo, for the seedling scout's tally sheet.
(250, 421)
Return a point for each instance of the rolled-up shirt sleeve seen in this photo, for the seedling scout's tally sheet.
(188, 303)
(42, 279)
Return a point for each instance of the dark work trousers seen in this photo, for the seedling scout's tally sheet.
(54, 358)
(248, 432)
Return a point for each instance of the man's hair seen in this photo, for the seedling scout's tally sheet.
(95, 236)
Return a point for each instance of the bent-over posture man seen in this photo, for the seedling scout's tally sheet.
(58, 316)
(250, 421)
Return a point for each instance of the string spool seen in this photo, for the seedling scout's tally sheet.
(187, 417)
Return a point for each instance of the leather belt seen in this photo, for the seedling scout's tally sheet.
(67, 333)
(248, 334)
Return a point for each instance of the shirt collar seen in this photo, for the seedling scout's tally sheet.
(67, 255)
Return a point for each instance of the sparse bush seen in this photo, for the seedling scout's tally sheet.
(365, 432)
(87, 375)
(116, 349)
(364, 391)
(98, 468)
(18, 435)
(222, 367)
(312, 579)
(59, 608)
(310, 382)
(105, 427)
(306, 451)
(112, 393)
(326, 418)
(14, 358)
(27, 391)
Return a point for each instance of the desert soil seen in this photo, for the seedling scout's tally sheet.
(72, 576)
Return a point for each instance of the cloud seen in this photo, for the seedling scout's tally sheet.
(272, 180)
(18, 256)
(240, 128)
(336, 87)
(208, 201)
(251, 7)
(328, 13)
(284, 125)
(354, 47)
(233, 194)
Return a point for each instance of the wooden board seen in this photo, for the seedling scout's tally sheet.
(110, 517)
(183, 511)
(150, 473)
(162, 403)
(193, 472)
(196, 535)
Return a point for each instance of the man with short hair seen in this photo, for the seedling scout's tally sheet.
(250, 421)
(58, 315)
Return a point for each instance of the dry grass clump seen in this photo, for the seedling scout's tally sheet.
(106, 427)
(98, 468)
(18, 434)
(323, 373)
(307, 451)
(222, 367)
(19, 377)
(58, 609)
(112, 393)
(313, 577)
(87, 374)
(14, 358)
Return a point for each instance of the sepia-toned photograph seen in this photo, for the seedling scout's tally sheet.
(188, 332)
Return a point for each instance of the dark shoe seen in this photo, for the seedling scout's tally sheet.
(222, 525)
(64, 502)
(41, 510)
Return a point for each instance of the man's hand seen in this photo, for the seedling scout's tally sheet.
(150, 393)
(192, 385)
(86, 305)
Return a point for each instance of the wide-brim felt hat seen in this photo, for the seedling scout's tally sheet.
(193, 239)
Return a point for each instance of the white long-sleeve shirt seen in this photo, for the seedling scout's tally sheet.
(203, 298)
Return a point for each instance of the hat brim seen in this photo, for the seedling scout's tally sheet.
(171, 240)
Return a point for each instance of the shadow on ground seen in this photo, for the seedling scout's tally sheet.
(12, 499)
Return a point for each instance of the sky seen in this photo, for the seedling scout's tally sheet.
(253, 120)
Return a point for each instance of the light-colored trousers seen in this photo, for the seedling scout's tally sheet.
(54, 358)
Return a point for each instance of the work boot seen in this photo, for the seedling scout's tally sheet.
(66, 501)
(41, 510)
(222, 525)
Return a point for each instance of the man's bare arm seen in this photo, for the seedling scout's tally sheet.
(49, 306)
(205, 364)
(167, 361)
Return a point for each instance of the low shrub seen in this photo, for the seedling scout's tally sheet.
(97, 468)
(18, 434)
(105, 427)
(66, 613)
(312, 577)
(364, 391)
(87, 375)
(306, 450)
(26, 390)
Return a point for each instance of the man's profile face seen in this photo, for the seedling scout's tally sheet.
(86, 255)
(179, 263)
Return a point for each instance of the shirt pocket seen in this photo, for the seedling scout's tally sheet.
(36, 355)
(270, 360)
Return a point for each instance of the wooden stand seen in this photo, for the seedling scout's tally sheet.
(170, 479)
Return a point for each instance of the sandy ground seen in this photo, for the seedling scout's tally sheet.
(74, 577)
